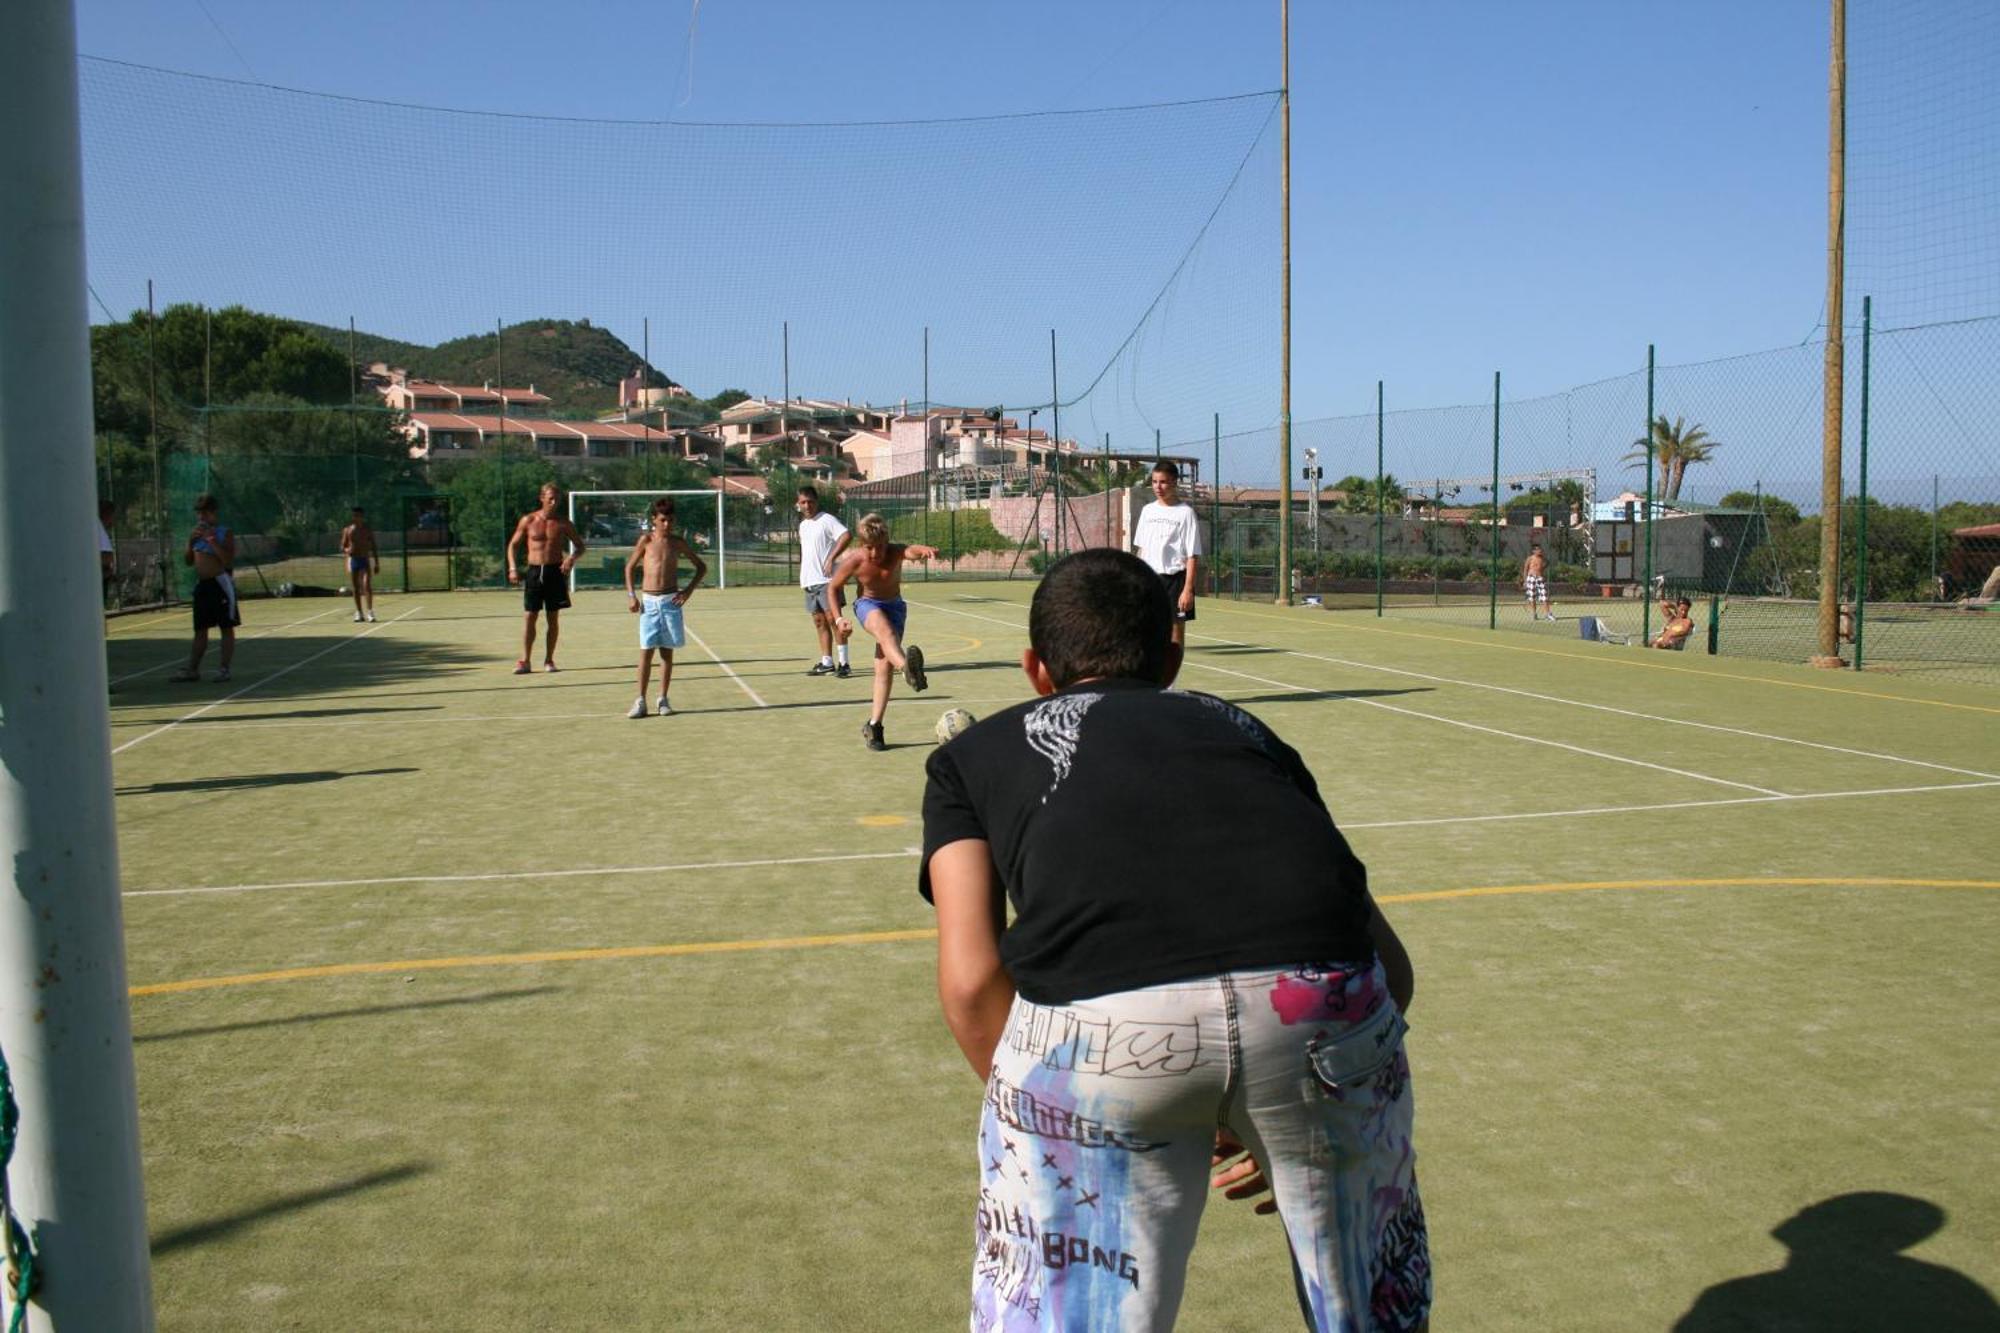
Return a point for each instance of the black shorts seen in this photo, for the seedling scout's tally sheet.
(1175, 582)
(215, 603)
(545, 588)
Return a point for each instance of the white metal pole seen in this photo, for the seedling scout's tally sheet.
(721, 557)
(64, 1020)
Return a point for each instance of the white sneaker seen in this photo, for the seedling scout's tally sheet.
(371, 617)
(357, 617)
(638, 708)
(662, 707)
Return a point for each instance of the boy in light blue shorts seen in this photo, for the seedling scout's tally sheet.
(661, 630)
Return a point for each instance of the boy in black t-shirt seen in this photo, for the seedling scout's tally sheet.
(1156, 997)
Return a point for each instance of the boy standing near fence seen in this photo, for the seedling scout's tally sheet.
(1535, 584)
(1167, 537)
(660, 627)
(357, 543)
(211, 549)
(554, 547)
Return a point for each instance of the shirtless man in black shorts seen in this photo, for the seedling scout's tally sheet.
(211, 549)
(553, 549)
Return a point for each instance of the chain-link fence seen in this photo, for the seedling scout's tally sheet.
(1699, 481)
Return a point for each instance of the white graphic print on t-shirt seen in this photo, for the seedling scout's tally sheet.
(1053, 728)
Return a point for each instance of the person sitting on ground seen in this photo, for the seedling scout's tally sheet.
(1128, 1029)
(1680, 624)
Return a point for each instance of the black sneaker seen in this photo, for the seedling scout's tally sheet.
(821, 669)
(913, 669)
(871, 736)
(843, 671)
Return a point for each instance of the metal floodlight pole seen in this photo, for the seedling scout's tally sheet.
(927, 380)
(1381, 498)
(1284, 580)
(153, 441)
(1646, 590)
(1861, 520)
(1215, 511)
(1935, 590)
(1831, 379)
(353, 420)
(1055, 408)
(1107, 491)
(65, 1021)
(1493, 566)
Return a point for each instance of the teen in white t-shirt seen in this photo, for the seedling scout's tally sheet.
(822, 539)
(1168, 538)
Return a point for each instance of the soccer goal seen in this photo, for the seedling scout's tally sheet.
(611, 523)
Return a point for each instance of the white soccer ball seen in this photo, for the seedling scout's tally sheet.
(345, 591)
(954, 722)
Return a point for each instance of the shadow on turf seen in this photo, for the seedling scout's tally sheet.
(356, 661)
(250, 780)
(201, 1233)
(1307, 696)
(297, 713)
(366, 1011)
(1846, 1270)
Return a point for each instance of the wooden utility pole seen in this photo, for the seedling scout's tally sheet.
(1828, 654)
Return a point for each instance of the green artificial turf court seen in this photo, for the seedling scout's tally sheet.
(462, 1001)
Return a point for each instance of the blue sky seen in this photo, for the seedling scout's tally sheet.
(1540, 187)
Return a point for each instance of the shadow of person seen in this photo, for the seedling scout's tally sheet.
(1845, 1272)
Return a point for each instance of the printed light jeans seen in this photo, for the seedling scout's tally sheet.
(1100, 1117)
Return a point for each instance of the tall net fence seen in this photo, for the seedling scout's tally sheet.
(1441, 529)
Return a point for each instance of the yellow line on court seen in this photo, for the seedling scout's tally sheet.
(901, 936)
(146, 620)
(1608, 659)
(517, 959)
(1759, 881)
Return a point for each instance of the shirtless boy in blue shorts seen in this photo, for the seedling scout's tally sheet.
(877, 565)
(357, 543)
(660, 627)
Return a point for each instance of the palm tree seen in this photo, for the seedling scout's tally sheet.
(1673, 447)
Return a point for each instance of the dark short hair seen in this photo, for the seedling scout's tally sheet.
(204, 503)
(1101, 612)
(810, 493)
(664, 505)
(357, 510)
(1171, 471)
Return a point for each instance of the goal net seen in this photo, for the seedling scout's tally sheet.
(611, 523)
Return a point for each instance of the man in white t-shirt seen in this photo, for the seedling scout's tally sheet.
(822, 540)
(1168, 538)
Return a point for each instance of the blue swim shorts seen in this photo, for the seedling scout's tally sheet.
(895, 608)
(660, 624)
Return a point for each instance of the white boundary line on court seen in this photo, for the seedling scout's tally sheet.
(1669, 805)
(727, 669)
(1455, 722)
(1601, 708)
(496, 876)
(1610, 708)
(1510, 735)
(261, 681)
(242, 638)
(503, 875)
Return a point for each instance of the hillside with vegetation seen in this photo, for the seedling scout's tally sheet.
(575, 363)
